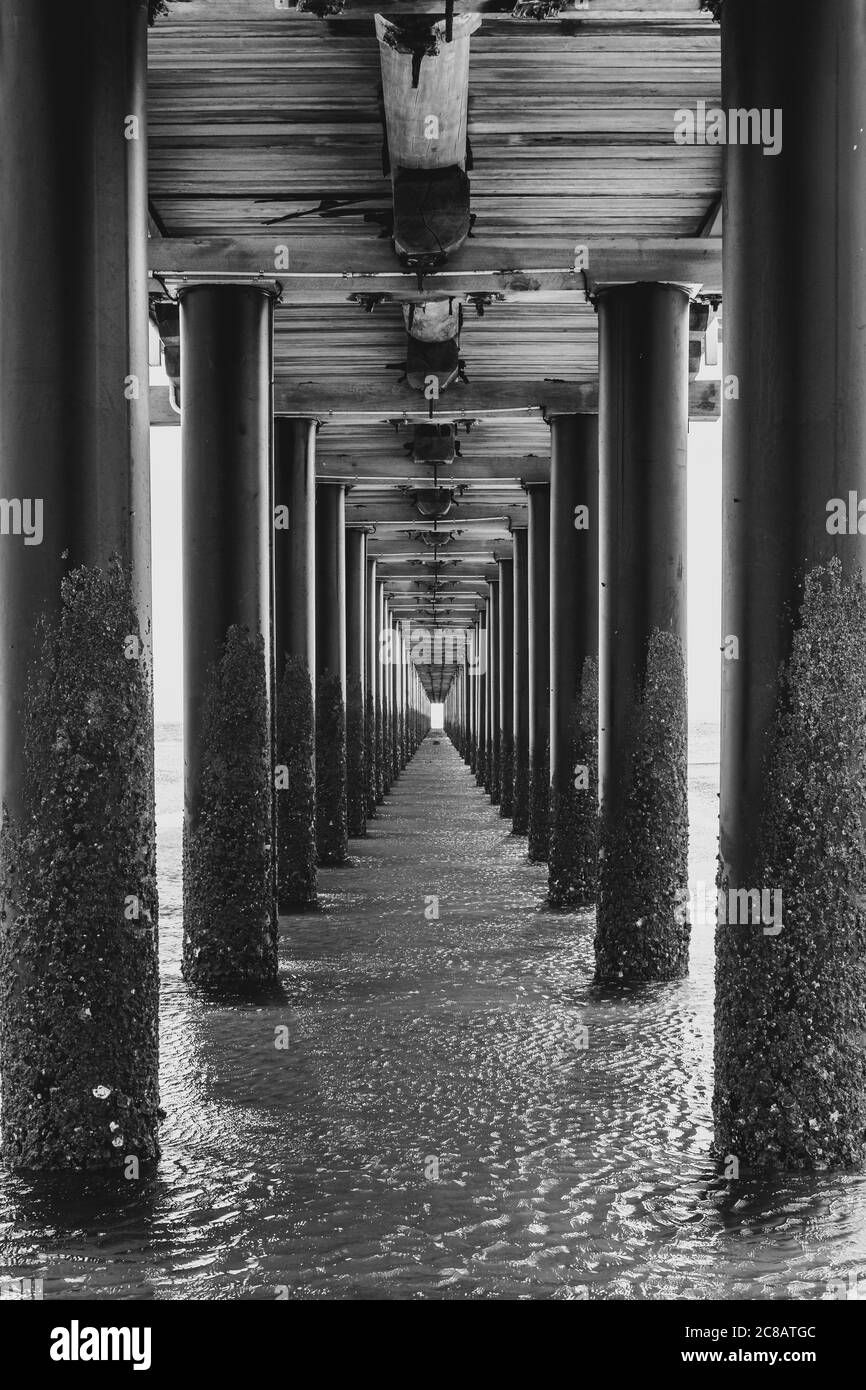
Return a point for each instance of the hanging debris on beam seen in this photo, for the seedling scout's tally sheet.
(425, 86)
(432, 343)
(434, 443)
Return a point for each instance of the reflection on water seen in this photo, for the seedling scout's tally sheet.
(419, 1046)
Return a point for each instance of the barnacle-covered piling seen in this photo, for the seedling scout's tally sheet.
(229, 913)
(790, 1041)
(332, 831)
(573, 856)
(78, 901)
(296, 788)
(643, 927)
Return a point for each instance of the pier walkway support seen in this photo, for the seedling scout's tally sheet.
(332, 826)
(295, 660)
(791, 991)
(78, 901)
(229, 882)
(643, 932)
(574, 604)
(434, 418)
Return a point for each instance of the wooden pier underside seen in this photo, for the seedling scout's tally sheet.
(266, 162)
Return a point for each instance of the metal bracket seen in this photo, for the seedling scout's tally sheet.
(369, 302)
(177, 283)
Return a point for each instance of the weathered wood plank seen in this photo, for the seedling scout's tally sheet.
(464, 547)
(483, 520)
(321, 265)
(475, 472)
(363, 403)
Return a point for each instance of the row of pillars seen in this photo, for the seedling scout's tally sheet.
(579, 693)
(277, 595)
(297, 716)
(78, 909)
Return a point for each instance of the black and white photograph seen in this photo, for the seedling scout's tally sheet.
(432, 673)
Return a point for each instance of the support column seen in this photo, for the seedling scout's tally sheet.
(506, 688)
(295, 645)
(520, 809)
(229, 882)
(643, 933)
(78, 1047)
(407, 682)
(472, 656)
(574, 603)
(467, 706)
(373, 710)
(453, 711)
(413, 703)
(481, 698)
(331, 813)
(384, 683)
(416, 736)
(410, 696)
(538, 613)
(790, 1072)
(492, 783)
(403, 678)
(356, 724)
(396, 712)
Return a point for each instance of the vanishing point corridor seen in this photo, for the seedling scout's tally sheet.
(433, 664)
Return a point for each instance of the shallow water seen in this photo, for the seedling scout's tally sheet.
(452, 1045)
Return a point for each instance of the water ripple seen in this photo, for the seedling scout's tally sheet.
(436, 1127)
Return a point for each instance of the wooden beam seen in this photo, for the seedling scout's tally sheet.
(481, 537)
(532, 468)
(372, 400)
(362, 403)
(367, 401)
(483, 518)
(328, 267)
(467, 603)
(410, 589)
(392, 583)
(406, 602)
(598, 11)
(420, 578)
(466, 547)
(692, 261)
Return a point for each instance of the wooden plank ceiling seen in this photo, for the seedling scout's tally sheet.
(266, 121)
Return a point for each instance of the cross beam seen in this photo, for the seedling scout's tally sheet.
(323, 268)
(365, 402)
